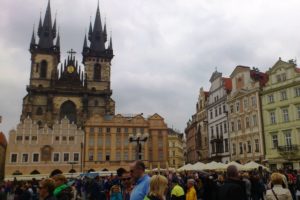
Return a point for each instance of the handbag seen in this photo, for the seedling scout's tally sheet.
(275, 195)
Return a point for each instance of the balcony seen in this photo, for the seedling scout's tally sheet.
(287, 149)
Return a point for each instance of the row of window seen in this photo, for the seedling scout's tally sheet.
(283, 95)
(287, 137)
(120, 141)
(118, 156)
(35, 157)
(237, 125)
(218, 111)
(34, 138)
(285, 115)
(246, 147)
(118, 130)
(244, 104)
(219, 129)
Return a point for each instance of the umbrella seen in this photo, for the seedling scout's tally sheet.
(238, 165)
(185, 167)
(198, 166)
(215, 166)
(253, 165)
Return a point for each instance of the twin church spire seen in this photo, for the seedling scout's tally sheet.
(97, 36)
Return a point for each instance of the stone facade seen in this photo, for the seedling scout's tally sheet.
(176, 152)
(107, 143)
(245, 115)
(68, 89)
(34, 150)
(196, 132)
(3, 145)
(281, 112)
(217, 117)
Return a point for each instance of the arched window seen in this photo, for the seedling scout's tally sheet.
(97, 72)
(68, 109)
(39, 111)
(43, 71)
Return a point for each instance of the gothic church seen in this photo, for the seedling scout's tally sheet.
(57, 90)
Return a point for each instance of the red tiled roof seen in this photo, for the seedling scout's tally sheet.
(227, 83)
(3, 140)
(263, 78)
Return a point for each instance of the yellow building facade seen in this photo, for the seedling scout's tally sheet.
(176, 149)
(108, 146)
(281, 111)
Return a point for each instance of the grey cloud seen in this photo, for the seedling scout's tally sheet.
(165, 49)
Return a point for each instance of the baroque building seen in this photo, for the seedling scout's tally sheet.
(108, 146)
(35, 150)
(176, 151)
(76, 91)
(245, 115)
(217, 117)
(281, 112)
(196, 131)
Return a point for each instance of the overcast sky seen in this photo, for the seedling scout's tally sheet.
(165, 50)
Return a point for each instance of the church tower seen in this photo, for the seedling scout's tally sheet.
(97, 60)
(68, 90)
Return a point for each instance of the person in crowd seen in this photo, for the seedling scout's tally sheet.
(247, 185)
(278, 192)
(62, 190)
(127, 185)
(25, 194)
(257, 187)
(46, 189)
(3, 195)
(158, 188)
(191, 192)
(177, 192)
(233, 188)
(141, 180)
(115, 192)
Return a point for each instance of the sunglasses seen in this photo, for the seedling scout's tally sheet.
(126, 179)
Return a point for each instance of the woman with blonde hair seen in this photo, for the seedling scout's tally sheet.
(278, 192)
(158, 188)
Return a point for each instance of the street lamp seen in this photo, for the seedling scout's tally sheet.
(72, 165)
(138, 138)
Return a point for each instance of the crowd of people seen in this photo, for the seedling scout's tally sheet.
(135, 184)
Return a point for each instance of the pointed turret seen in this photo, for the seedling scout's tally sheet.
(58, 41)
(40, 27)
(47, 31)
(32, 42)
(54, 28)
(97, 36)
(85, 43)
(90, 32)
(110, 47)
(105, 33)
(97, 39)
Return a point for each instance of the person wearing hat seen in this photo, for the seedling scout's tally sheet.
(177, 193)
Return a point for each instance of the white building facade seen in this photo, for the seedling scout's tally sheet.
(217, 117)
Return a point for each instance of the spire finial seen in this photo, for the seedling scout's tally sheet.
(58, 38)
(110, 47)
(33, 36)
